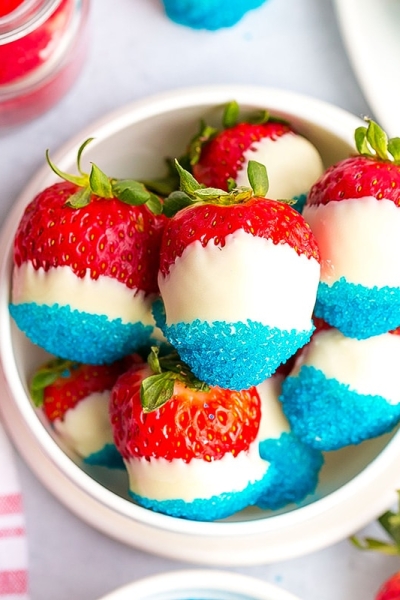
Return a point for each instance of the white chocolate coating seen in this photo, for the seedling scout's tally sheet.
(368, 367)
(359, 239)
(293, 165)
(86, 427)
(249, 278)
(103, 296)
(160, 479)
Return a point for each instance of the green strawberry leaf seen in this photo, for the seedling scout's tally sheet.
(259, 117)
(205, 134)
(175, 202)
(188, 183)
(394, 148)
(80, 199)
(130, 191)
(377, 139)
(46, 375)
(360, 137)
(156, 390)
(100, 183)
(258, 178)
(230, 116)
(375, 545)
(210, 194)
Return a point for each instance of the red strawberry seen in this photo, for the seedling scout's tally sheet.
(219, 157)
(180, 417)
(390, 589)
(228, 305)
(86, 259)
(190, 450)
(352, 210)
(75, 399)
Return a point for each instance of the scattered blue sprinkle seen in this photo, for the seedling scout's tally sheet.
(357, 311)
(79, 336)
(108, 456)
(205, 509)
(293, 472)
(209, 14)
(328, 415)
(234, 356)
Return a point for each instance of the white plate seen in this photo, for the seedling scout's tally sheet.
(200, 585)
(125, 144)
(371, 34)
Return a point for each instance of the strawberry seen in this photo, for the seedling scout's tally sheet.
(341, 390)
(219, 156)
(390, 589)
(74, 398)
(231, 264)
(353, 212)
(389, 521)
(190, 449)
(85, 266)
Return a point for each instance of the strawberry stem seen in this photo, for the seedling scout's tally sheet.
(372, 141)
(157, 389)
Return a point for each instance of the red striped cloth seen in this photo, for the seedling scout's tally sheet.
(13, 546)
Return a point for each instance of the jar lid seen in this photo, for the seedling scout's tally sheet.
(27, 17)
(201, 584)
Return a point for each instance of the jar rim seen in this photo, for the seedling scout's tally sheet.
(27, 17)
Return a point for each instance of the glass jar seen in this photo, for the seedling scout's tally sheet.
(42, 49)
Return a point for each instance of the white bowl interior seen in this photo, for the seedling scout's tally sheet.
(134, 143)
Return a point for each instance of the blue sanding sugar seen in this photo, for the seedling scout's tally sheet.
(79, 336)
(293, 471)
(205, 509)
(328, 415)
(235, 356)
(209, 14)
(108, 456)
(357, 311)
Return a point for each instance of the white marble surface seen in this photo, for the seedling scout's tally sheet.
(135, 51)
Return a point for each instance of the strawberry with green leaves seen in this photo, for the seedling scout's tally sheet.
(354, 213)
(238, 279)
(74, 398)
(86, 257)
(219, 156)
(191, 450)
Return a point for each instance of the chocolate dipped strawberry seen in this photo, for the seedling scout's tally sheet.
(86, 257)
(219, 156)
(238, 279)
(190, 450)
(75, 400)
(354, 213)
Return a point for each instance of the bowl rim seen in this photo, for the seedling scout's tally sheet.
(208, 580)
(339, 502)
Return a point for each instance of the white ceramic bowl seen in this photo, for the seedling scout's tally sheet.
(356, 483)
(200, 585)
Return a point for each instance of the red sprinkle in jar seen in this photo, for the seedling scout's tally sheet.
(42, 50)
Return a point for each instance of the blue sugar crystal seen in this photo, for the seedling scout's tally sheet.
(357, 311)
(205, 509)
(293, 471)
(209, 14)
(328, 415)
(108, 456)
(79, 336)
(235, 356)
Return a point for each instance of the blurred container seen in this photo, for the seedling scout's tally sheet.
(42, 49)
